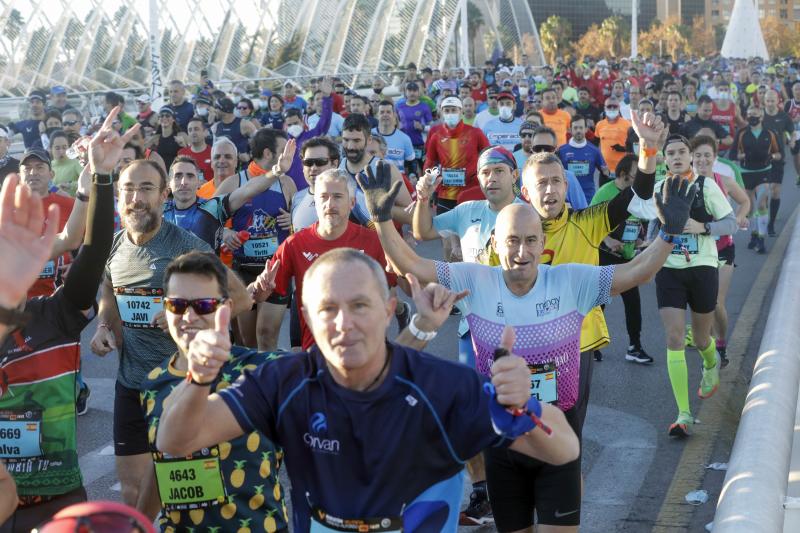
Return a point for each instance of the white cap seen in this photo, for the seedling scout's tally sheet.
(602, 63)
(453, 101)
(143, 98)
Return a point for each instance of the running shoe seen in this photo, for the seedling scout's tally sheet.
(723, 357)
(455, 311)
(771, 230)
(636, 354)
(403, 317)
(82, 403)
(710, 381)
(753, 241)
(598, 355)
(689, 339)
(682, 427)
(761, 247)
(478, 512)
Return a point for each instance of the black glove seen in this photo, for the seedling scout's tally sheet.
(379, 192)
(618, 148)
(673, 204)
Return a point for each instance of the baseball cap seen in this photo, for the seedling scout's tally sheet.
(36, 153)
(453, 101)
(412, 86)
(225, 105)
(266, 92)
(527, 126)
(143, 99)
(37, 95)
(166, 111)
(58, 89)
(491, 91)
(504, 70)
(202, 99)
(505, 95)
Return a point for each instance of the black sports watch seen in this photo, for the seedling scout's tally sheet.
(707, 228)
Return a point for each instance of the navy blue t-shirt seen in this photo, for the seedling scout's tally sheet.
(183, 113)
(29, 129)
(395, 452)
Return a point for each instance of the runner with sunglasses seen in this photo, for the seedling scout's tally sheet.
(131, 312)
(545, 306)
(41, 358)
(544, 141)
(235, 483)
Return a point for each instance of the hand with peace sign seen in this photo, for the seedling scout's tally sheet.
(264, 284)
(106, 146)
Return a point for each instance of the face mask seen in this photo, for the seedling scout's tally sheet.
(506, 113)
(263, 104)
(294, 130)
(201, 111)
(612, 113)
(722, 95)
(237, 99)
(523, 91)
(237, 113)
(451, 119)
(586, 76)
(754, 121)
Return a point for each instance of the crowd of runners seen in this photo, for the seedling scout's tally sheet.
(190, 233)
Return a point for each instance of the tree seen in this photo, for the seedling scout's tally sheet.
(616, 36)
(663, 39)
(474, 22)
(555, 34)
(591, 43)
(702, 41)
(779, 37)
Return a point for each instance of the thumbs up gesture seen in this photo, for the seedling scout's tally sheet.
(510, 375)
(210, 348)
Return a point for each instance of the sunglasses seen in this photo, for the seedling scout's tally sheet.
(97, 522)
(70, 122)
(201, 306)
(315, 162)
(539, 148)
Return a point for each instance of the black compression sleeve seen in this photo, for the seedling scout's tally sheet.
(618, 206)
(80, 287)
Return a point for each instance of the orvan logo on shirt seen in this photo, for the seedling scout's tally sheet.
(315, 438)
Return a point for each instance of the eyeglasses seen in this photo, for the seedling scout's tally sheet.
(316, 161)
(70, 122)
(146, 189)
(526, 135)
(201, 306)
(539, 148)
(97, 522)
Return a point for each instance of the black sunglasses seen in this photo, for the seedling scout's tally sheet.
(70, 122)
(315, 161)
(201, 306)
(539, 148)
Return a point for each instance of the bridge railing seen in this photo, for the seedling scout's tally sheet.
(755, 488)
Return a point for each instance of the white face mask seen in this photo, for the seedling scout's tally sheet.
(506, 112)
(612, 113)
(294, 130)
(451, 119)
(201, 111)
(237, 99)
(523, 91)
(722, 95)
(263, 104)
(237, 113)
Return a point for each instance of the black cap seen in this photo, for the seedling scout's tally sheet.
(225, 105)
(412, 86)
(166, 111)
(37, 94)
(37, 153)
(203, 99)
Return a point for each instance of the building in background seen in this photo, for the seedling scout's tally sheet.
(682, 11)
(787, 11)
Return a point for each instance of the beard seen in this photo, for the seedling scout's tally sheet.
(140, 222)
(355, 156)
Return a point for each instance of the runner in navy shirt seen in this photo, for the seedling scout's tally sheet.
(370, 434)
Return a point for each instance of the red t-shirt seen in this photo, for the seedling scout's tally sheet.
(203, 160)
(456, 150)
(301, 249)
(46, 284)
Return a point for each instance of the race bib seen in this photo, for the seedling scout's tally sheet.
(636, 148)
(261, 247)
(631, 231)
(190, 483)
(685, 243)
(543, 382)
(417, 153)
(322, 522)
(579, 168)
(49, 270)
(20, 434)
(454, 177)
(138, 306)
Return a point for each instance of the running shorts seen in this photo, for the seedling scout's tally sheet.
(695, 286)
(130, 428)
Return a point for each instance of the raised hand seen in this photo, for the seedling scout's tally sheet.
(510, 375)
(648, 127)
(264, 284)
(433, 303)
(210, 348)
(326, 86)
(106, 146)
(23, 247)
(286, 158)
(379, 191)
(673, 203)
(426, 186)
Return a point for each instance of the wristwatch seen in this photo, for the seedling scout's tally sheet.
(81, 197)
(707, 228)
(424, 336)
(276, 170)
(669, 239)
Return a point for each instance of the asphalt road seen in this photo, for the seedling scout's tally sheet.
(629, 462)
